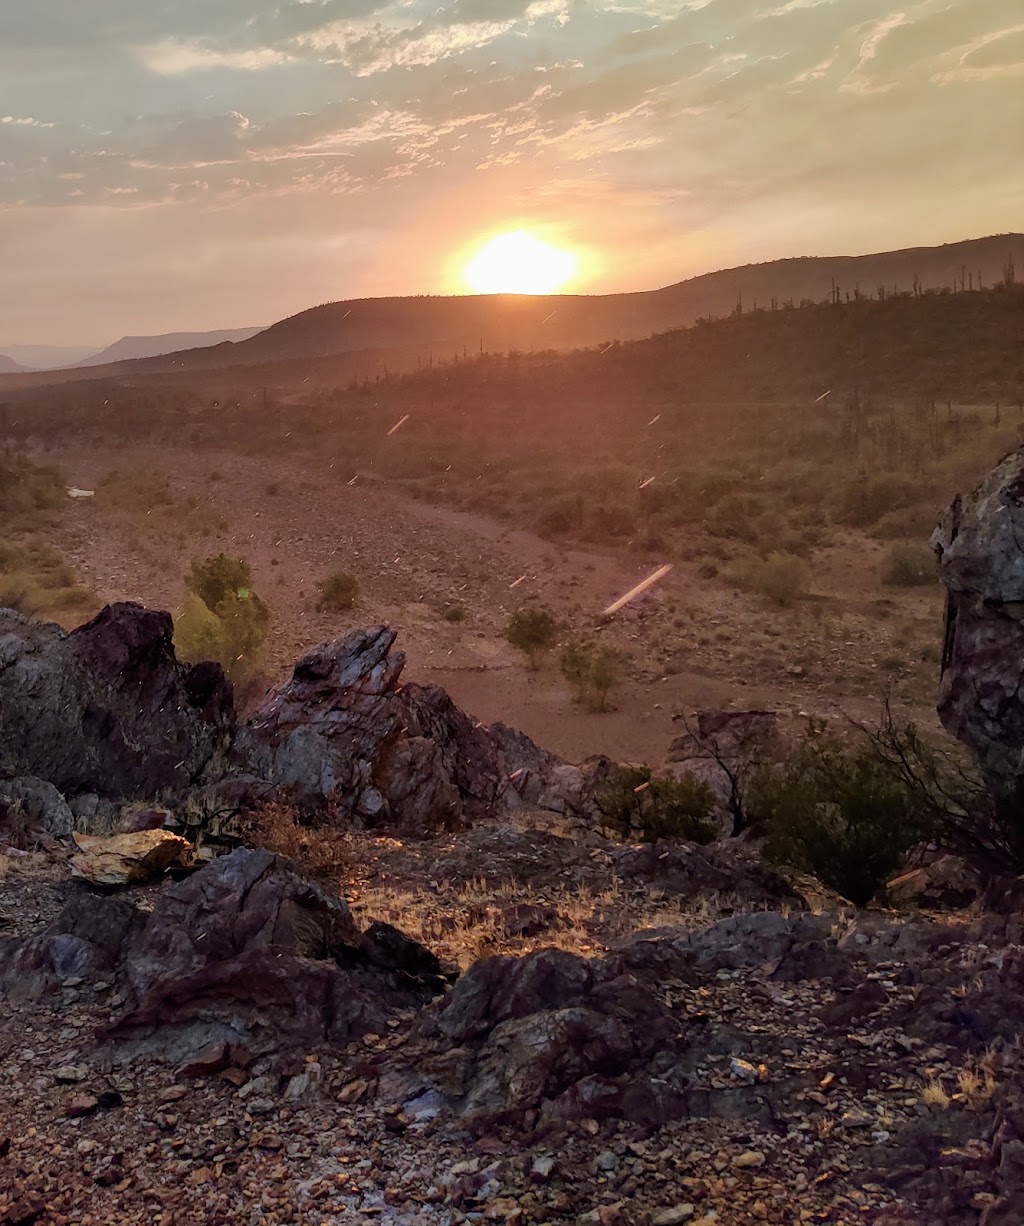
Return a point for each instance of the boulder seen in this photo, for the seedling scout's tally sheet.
(108, 709)
(550, 1034)
(980, 545)
(248, 951)
(87, 939)
(40, 804)
(947, 882)
(345, 733)
(121, 859)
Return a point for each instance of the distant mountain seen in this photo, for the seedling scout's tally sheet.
(8, 366)
(412, 327)
(377, 335)
(47, 357)
(131, 347)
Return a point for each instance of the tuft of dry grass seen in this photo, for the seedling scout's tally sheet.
(321, 851)
(933, 1094)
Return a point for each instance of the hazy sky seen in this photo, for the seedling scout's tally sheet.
(192, 164)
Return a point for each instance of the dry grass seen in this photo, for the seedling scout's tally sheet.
(481, 918)
(933, 1094)
(977, 1081)
(323, 851)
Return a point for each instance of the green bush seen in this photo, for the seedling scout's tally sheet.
(532, 630)
(338, 591)
(455, 613)
(847, 817)
(593, 672)
(909, 565)
(223, 618)
(636, 804)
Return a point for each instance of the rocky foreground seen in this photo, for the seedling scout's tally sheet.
(485, 1011)
(237, 1047)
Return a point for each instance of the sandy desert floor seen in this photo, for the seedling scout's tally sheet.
(691, 642)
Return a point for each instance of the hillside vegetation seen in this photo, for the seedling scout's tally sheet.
(750, 439)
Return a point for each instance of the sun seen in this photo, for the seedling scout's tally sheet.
(519, 263)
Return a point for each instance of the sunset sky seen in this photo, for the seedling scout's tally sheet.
(222, 163)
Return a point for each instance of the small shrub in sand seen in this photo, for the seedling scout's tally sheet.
(455, 613)
(910, 564)
(593, 672)
(532, 630)
(635, 804)
(338, 591)
(781, 578)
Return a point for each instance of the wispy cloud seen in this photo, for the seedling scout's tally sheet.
(423, 118)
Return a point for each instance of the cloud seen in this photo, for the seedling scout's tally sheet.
(369, 115)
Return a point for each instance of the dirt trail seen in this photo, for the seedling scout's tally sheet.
(692, 643)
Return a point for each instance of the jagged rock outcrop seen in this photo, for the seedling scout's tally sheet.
(552, 1036)
(980, 545)
(107, 709)
(345, 732)
(246, 953)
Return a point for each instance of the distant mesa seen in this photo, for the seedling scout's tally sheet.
(17, 359)
(129, 348)
(46, 357)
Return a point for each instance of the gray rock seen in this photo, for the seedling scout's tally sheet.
(107, 709)
(980, 545)
(41, 804)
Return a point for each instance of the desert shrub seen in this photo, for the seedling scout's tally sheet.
(36, 578)
(320, 851)
(223, 618)
(911, 522)
(338, 591)
(637, 804)
(735, 517)
(864, 501)
(565, 515)
(532, 630)
(593, 672)
(781, 578)
(26, 486)
(707, 570)
(846, 816)
(609, 520)
(135, 491)
(911, 564)
(455, 613)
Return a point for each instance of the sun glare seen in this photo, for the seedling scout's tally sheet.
(519, 263)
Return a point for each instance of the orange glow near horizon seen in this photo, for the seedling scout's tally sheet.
(519, 262)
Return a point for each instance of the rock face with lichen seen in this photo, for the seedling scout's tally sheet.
(980, 545)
